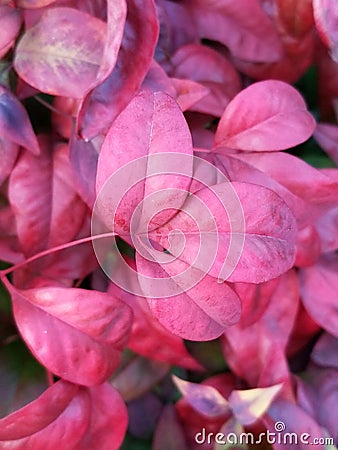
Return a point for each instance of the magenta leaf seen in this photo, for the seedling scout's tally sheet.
(326, 16)
(204, 399)
(67, 61)
(101, 107)
(243, 27)
(150, 126)
(259, 113)
(14, 122)
(77, 334)
(38, 414)
(109, 419)
(319, 286)
(10, 22)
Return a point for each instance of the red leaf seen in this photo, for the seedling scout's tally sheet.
(326, 16)
(319, 286)
(67, 61)
(38, 414)
(269, 115)
(14, 122)
(243, 27)
(104, 104)
(10, 22)
(150, 126)
(77, 334)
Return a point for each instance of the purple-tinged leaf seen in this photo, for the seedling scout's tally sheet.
(65, 61)
(10, 22)
(14, 122)
(326, 135)
(169, 432)
(249, 405)
(204, 399)
(319, 287)
(325, 352)
(138, 377)
(267, 116)
(77, 334)
(101, 107)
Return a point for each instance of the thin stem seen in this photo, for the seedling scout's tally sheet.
(51, 107)
(49, 251)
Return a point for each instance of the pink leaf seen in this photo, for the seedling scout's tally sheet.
(34, 3)
(319, 286)
(249, 405)
(10, 22)
(326, 17)
(14, 122)
(266, 116)
(30, 195)
(256, 353)
(243, 27)
(204, 399)
(77, 334)
(65, 62)
(261, 237)
(8, 155)
(104, 104)
(151, 125)
(198, 307)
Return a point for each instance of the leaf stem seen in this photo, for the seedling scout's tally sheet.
(49, 251)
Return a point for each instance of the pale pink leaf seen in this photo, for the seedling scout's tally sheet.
(204, 399)
(66, 61)
(14, 122)
(77, 334)
(249, 405)
(267, 116)
(101, 107)
(319, 286)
